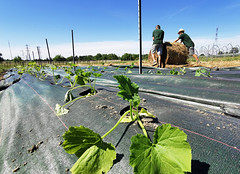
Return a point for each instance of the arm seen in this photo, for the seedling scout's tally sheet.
(152, 38)
(176, 40)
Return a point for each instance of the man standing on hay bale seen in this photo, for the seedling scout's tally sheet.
(187, 41)
(157, 37)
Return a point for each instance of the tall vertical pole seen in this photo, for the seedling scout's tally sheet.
(33, 55)
(73, 48)
(48, 50)
(140, 35)
(28, 54)
(39, 53)
(10, 50)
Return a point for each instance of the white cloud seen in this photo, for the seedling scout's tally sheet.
(107, 47)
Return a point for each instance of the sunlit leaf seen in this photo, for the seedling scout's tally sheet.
(97, 75)
(169, 153)
(127, 88)
(145, 113)
(95, 156)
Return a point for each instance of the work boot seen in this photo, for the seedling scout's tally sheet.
(154, 63)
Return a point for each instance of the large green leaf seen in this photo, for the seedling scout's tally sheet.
(95, 156)
(128, 90)
(170, 153)
(81, 80)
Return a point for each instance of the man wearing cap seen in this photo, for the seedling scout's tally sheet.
(157, 37)
(187, 41)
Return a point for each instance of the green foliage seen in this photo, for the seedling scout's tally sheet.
(132, 65)
(55, 77)
(95, 156)
(202, 72)
(159, 72)
(17, 59)
(182, 71)
(128, 90)
(59, 58)
(82, 78)
(1, 58)
(169, 153)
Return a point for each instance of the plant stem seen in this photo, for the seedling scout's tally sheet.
(119, 121)
(73, 101)
(142, 127)
(131, 110)
(60, 81)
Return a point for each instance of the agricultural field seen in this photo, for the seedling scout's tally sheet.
(106, 118)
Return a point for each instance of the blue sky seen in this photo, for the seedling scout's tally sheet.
(111, 25)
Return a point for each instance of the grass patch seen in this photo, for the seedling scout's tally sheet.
(206, 59)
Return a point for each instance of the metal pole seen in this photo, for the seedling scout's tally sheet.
(28, 54)
(10, 50)
(73, 48)
(48, 51)
(140, 36)
(33, 55)
(39, 54)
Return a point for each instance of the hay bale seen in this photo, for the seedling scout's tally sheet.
(173, 53)
(176, 53)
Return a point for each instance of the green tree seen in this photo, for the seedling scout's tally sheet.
(1, 59)
(112, 57)
(98, 57)
(126, 56)
(70, 58)
(59, 58)
(17, 59)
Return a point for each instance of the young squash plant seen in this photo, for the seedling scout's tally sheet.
(56, 78)
(70, 71)
(82, 78)
(202, 72)
(33, 69)
(168, 153)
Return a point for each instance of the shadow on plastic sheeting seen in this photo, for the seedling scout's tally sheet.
(123, 134)
(199, 167)
(118, 158)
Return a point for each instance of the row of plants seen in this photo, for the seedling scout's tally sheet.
(182, 71)
(168, 152)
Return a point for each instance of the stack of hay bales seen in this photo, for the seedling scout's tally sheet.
(173, 53)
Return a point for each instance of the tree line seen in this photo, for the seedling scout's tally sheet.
(97, 57)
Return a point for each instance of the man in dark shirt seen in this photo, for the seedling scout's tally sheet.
(187, 41)
(157, 37)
